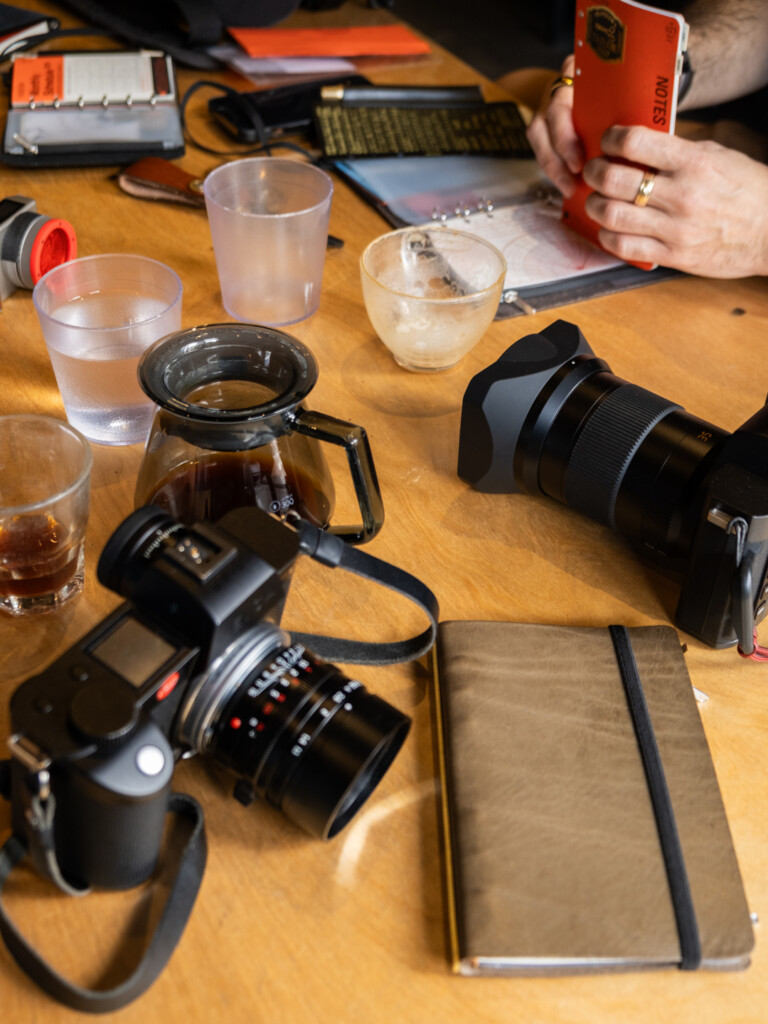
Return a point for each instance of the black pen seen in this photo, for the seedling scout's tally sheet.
(402, 95)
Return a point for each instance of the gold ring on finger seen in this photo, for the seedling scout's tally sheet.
(559, 83)
(645, 189)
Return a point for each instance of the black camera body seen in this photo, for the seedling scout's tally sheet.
(549, 418)
(30, 244)
(193, 662)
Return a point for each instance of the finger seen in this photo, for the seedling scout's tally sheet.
(564, 138)
(618, 181)
(549, 161)
(645, 146)
(635, 248)
(626, 218)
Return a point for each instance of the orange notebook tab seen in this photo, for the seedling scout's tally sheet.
(360, 41)
(628, 62)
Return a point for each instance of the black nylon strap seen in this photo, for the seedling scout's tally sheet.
(332, 551)
(178, 906)
(672, 851)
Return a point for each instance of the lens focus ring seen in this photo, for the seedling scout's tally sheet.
(605, 447)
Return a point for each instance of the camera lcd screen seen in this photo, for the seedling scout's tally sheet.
(133, 651)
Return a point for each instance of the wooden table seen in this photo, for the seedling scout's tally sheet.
(290, 929)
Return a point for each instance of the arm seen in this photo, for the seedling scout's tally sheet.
(728, 44)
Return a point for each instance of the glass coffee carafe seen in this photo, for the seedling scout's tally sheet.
(231, 430)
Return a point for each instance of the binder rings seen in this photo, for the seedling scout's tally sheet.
(629, 58)
(559, 838)
(88, 108)
(506, 201)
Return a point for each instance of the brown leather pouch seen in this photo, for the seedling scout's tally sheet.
(152, 177)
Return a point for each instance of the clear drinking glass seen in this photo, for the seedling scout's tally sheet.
(98, 314)
(431, 293)
(45, 467)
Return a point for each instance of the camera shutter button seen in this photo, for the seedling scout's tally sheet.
(103, 714)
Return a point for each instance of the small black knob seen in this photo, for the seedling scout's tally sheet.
(103, 713)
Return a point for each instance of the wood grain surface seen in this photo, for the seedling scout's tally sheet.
(286, 928)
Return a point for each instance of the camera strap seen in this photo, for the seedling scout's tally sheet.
(182, 892)
(335, 553)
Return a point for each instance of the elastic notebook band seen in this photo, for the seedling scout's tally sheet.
(672, 851)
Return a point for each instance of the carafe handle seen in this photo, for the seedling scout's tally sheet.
(355, 442)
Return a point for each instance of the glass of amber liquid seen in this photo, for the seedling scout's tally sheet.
(45, 468)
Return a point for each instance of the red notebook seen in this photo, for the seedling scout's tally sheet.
(628, 62)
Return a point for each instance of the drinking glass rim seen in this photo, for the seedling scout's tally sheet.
(452, 300)
(82, 476)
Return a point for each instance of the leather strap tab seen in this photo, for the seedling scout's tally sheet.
(152, 177)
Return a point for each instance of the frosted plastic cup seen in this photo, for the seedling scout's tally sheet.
(45, 468)
(98, 315)
(269, 224)
(431, 293)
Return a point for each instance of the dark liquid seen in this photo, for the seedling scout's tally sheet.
(36, 556)
(221, 481)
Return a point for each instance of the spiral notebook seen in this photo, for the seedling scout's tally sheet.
(91, 108)
(507, 201)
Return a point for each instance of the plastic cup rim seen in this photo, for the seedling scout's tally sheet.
(103, 258)
(271, 162)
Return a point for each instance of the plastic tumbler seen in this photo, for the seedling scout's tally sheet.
(45, 467)
(269, 224)
(98, 315)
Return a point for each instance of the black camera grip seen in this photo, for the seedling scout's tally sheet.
(181, 899)
(355, 442)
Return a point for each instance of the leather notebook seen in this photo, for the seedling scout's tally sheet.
(555, 858)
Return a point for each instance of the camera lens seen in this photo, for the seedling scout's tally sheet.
(296, 731)
(551, 418)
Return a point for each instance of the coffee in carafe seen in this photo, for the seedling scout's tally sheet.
(231, 430)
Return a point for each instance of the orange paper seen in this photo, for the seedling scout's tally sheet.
(360, 41)
(38, 80)
(628, 61)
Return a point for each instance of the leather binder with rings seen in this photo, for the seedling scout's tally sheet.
(89, 108)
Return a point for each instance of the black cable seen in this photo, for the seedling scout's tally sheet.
(265, 145)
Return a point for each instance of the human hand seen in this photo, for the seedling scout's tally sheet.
(553, 138)
(707, 211)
